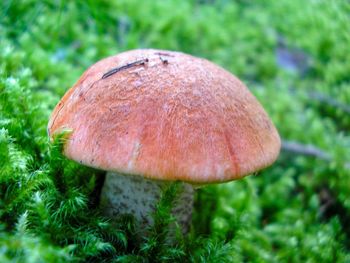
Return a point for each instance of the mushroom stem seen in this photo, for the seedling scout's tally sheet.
(132, 194)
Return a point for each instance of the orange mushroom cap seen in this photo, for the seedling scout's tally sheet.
(165, 115)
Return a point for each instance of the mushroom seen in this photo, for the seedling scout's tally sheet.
(148, 117)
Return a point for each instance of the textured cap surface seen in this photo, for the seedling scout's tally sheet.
(165, 115)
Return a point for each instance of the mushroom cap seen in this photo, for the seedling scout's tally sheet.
(165, 115)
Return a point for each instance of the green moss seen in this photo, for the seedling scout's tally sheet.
(292, 54)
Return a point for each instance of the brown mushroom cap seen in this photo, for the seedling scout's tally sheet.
(165, 115)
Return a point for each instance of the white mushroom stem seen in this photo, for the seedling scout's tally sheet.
(132, 194)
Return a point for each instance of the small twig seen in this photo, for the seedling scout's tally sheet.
(163, 54)
(308, 150)
(133, 64)
(319, 97)
(164, 61)
(328, 100)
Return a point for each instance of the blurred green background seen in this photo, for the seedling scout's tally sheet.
(294, 55)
